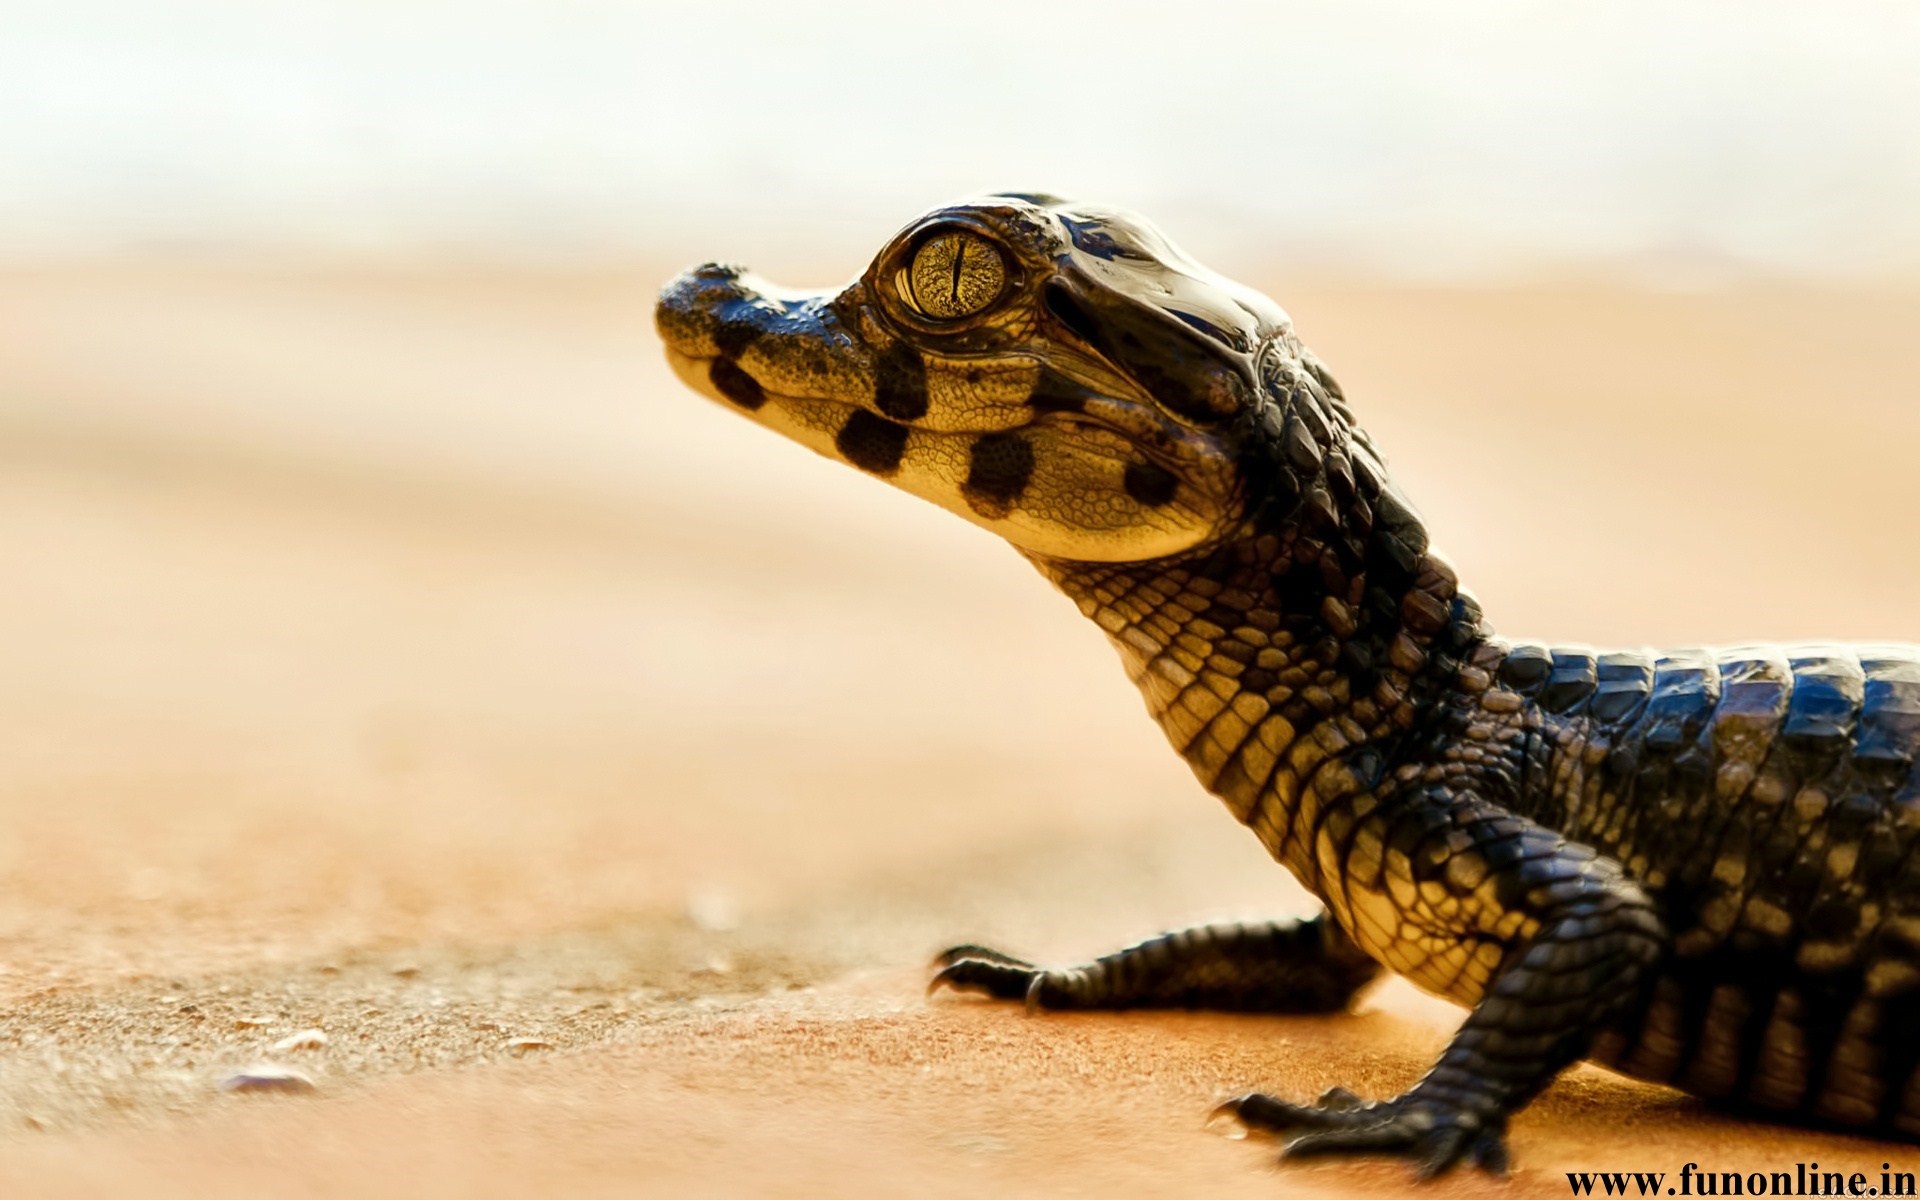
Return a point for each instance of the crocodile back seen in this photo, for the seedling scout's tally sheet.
(1769, 798)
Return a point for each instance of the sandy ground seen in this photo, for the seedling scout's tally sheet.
(405, 656)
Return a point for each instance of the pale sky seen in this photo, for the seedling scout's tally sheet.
(1412, 139)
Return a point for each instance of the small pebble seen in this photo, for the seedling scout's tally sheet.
(408, 971)
(306, 1039)
(527, 1045)
(267, 1077)
(252, 1022)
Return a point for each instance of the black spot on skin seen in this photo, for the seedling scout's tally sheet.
(900, 383)
(1151, 485)
(735, 384)
(732, 337)
(872, 443)
(999, 468)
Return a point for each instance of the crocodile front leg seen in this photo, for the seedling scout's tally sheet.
(1295, 966)
(1442, 892)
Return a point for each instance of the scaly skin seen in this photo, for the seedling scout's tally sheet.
(1691, 867)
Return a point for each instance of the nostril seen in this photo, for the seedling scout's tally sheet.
(698, 294)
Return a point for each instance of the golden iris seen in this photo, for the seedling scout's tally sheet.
(954, 275)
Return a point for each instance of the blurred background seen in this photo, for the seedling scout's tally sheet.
(1493, 140)
(389, 644)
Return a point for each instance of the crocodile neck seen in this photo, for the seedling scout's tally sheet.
(1304, 657)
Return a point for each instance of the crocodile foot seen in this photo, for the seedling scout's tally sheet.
(977, 969)
(1437, 1137)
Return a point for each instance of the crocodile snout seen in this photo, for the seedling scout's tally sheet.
(708, 311)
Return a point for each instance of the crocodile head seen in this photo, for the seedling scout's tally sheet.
(1058, 373)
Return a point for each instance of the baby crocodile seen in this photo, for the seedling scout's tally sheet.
(1690, 866)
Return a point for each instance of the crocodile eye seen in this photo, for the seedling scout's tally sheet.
(954, 275)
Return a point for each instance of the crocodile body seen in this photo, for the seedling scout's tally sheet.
(1690, 866)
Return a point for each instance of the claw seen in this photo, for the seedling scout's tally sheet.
(1257, 1110)
(1437, 1139)
(942, 979)
(1032, 998)
(1443, 1154)
(997, 976)
(954, 954)
(1489, 1153)
(1367, 1138)
(1226, 1121)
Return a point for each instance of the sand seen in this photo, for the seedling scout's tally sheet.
(404, 655)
